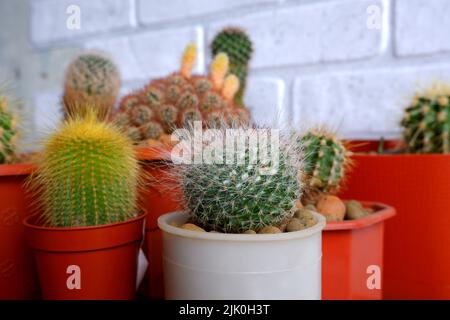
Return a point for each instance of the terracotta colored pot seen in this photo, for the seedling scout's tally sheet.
(18, 279)
(87, 263)
(417, 262)
(351, 249)
(156, 202)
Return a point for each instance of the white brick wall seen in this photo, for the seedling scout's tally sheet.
(352, 64)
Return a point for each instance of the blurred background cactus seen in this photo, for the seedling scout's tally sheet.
(88, 175)
(426, 121)
(180, 98)
(326, 162)
(239, 197)
(91, 79)
(236, 44)
(8, 131)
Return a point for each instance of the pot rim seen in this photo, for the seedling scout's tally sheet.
(30, 225)
(16, 169)
(384, 212)
(153, 153)
(163, 224)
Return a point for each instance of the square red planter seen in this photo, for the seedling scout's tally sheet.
(352, 252)
(417, 259)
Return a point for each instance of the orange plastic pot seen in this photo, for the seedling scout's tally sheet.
(156, 202)
(87, 263)
(417, 261)
(18, 279)
(352, 251)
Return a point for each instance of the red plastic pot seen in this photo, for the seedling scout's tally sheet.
(87, 263)
(18, 279)
(156, 202)
(349, 248)
(417, 261)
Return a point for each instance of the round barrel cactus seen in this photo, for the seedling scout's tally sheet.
(177, 100)
(326, 160)
(426, 122)
(238, 46)
(88, 176)
(8, 132)
(244, 194)
(91, 79)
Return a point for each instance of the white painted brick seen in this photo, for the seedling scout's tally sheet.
(49, 18)
(265, 99)
(422, 27)
(47, 112)
(313, 33)
(151, 54)
(158, 11)
(362, 104)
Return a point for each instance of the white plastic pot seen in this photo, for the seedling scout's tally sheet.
(205, 266)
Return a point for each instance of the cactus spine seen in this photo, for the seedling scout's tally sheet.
(239, 196)
(91, 79)
(88, 175)
(237, 45)
(326, 161)
(8, 132)
(426, 122)
(181, 98)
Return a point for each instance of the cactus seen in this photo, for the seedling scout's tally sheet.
(326, 161)
(88, 176)
(237, 45)
(177, 100)
(238, 197)
(427, 122)
(91, 79)
(8, 132)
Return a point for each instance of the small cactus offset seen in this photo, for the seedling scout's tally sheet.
(181, 98)
(237, 45)
(91, 79)
(326, 161)
(426, 122)
(238, 197)
(88, 176)
(8, 131)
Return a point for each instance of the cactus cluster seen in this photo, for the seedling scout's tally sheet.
(181, 98)
(88, 176)
(245, 194)
(236, 44)
(91, 79)
(8, 131)
(326, 160)
(426, 122)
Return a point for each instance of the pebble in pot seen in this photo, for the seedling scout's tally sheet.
(355, 210)
(331, 207)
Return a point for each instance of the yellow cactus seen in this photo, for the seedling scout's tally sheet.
(188, 60)
(230, 87)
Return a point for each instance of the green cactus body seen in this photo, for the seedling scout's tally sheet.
(237, 197)
(238, 46)
(325, 161)
(88, 175)
(91, 79)
(8, 132)
(427, 124)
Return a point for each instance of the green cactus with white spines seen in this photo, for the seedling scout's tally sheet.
(238, 46)
(326, 161)
(88, 176)
(8, 131)
(91, 79)
(426, 122)
(237, 197)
